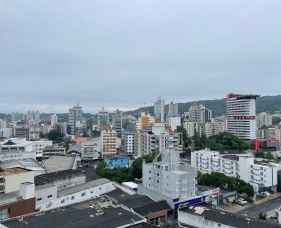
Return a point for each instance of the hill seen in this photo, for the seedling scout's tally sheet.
(264, 104)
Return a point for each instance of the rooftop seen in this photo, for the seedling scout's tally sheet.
(77, 148)
(50, 177)
(12, 171)
(59, 163)
(227, 218)
(76, 216)
(231, 157)
(27, 164)
(152, 208)
(232, 152)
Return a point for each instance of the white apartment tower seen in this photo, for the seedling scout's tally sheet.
(159, 109)
(103, 118)
(54, 120)
(241, 115)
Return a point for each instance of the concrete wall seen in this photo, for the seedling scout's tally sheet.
(45, 194)
(12, 182)
(70, 181)
(76, 197)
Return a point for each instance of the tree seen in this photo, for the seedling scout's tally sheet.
(100, 167)
(67, 140)
(41, 135)
(55, 135)
(262, 216)
(119, 135)
(183, 131)
(188, 152)
(213, 145)
(96, 134)
(276, 120)
(259, 154)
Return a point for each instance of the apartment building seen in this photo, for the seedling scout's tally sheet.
(38, 147)
(180, 141)
(75, 119)
(108, 141)
(129, 143)
(211, 128)
(118, 121)
(144, 120)
(159, 109)
(189, 126)
(174, 121)
(103, 118)
(5, 132)
(263, 119)
(54, 120)
(241, 115)
(237, 164)
(48, 151)
(22, 132)
(200, 113)
(91, 149)
(168, 179)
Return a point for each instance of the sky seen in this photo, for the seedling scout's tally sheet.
(123, 53)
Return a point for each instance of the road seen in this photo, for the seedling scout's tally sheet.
(263, 207)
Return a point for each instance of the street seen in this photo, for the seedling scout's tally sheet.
(262, 207)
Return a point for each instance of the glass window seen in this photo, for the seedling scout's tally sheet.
(38, 199)
(49, 196)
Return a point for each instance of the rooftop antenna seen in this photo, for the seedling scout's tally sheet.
(144, 104)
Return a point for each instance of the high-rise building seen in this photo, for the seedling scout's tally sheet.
(200, 114)
(159, 107)
(75, 119)
(211, 128)
(103, 118)
(144, 120)
(54, 120)
(129, 143)
(108, 141)
(145, 110)
(172, 109)
(174, 121)
(3, 123)
(189, 126)
(241, 115)
(263, 119)
(118, 121)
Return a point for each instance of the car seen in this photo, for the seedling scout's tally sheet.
(241, 201)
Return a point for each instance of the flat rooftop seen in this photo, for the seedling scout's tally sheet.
(12, 171)
(77, 216)
(231, 157)
(222, 152)
(27, 164)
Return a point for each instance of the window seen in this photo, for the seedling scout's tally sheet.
(84, 193)
(62, 201)
(206, 222)
(92, 191)
(38, 199)
(49, 196)
(5, 213)
(100, 188)
(219, 225)
(211, 224)
(72, 197)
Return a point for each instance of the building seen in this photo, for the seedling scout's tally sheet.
(54, 120)
(22, 132)
(62, 179)
(189, 126)
(60, 163)
(17, 203)
(200, 114)
(263, 119)
(118, 121)
(174, 121)
(3, 123)
(200, 128)
(38, 147)
(180, 141)
(144, 109)
(91, 150)
(16, 117)
(172, 109)
(211, 128)
(117, 161)
(10, 179)
(17, 155)
(108, 141)
(129, 143)
(237, 164)
(144, 120)
(159, 109)
(241, 115)
(48, 151)
(168, 179)
(4, 132)
(103, 118)
(75, 119)
(16, 145)
(205, 216)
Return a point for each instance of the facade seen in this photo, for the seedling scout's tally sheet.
(144, 109)
(241, 115)
(189, 126)
(75, 119)
(144, 120)
(22, 132)
(103, 118)
(48, 151)
(3, 123)
(10, 179)
(174, 121)
(263, 119)
(91, 149)
(38, 147)
(16, 145)
(234, 164)
(180, 141)
(108, 141)
(211, 128)
(118, 121)
(200, 114)
(200, 128)
(5, 132)
(17, 155)
(159, 109)
(172, 109)
(168, 179)
(129, 143)
(117, 161)
(54, 120)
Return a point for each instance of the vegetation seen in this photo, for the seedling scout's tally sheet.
(276, 120)
(96, 134)
(216, 179)
(188, 152)
(41, 135)
(262, 216)
(121, 174)
(66, 141)
(55, 135)
(119, 135)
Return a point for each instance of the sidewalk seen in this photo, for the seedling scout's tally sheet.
(275, 195)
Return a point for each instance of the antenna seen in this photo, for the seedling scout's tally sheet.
(144, 104)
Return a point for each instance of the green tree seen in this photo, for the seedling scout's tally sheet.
(41, 135)
(188, 152)
(96, 134)
(213, 145)
(119, 135)
(100, 167)
(262, 216)
(276, 120)
(66, 141)
(259, 154)
(55, 135)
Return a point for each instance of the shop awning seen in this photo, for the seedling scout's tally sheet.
(230, 199)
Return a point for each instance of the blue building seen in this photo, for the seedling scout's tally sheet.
(114, 162)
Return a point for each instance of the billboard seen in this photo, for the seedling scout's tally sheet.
(190, 202)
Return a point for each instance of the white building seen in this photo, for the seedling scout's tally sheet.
(16, 145)
(200, 114)
(54, 120)
(5, 132)
(144, 120)
(174, 122)
(168, 179)
(159, 109)
(241, 115)
(3, 123)
(91, 149)
(263, 118)
(189, 126)
(234, 164)
(129, 143)
(38, 147)
(108, 142)
(75, 119)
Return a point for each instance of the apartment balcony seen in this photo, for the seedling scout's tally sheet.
(193, 182)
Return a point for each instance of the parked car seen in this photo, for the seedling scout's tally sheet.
(241, 201)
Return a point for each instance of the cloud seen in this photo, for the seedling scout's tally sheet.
(113, 53)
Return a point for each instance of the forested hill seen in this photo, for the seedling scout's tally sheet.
(264, 104)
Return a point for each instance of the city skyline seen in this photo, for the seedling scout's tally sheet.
(121, 56)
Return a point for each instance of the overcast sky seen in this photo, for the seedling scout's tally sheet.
(123, 53)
